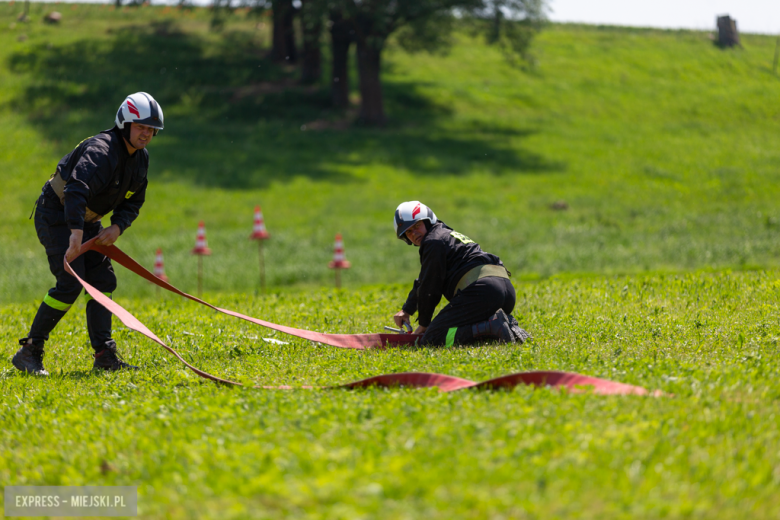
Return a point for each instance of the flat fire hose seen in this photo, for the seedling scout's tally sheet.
(445, 383)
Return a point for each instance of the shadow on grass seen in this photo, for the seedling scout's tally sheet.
(234, 120)
(55, 373)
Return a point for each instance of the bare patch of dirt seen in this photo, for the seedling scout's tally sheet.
(342, 123)
(270, 87)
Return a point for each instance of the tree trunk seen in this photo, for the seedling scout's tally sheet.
(495, 28)
(311, 23)
(372, 111)
(289, 33)
(283, 48)
(341, 37)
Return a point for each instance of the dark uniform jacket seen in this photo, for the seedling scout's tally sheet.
(445, 256)
(101, 175)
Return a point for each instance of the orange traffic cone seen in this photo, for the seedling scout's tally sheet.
(259, 232)
(201, 248)
(339, 261)
(159, 269)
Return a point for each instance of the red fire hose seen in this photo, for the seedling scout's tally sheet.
(445, 383)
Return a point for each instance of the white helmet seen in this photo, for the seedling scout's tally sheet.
(140, 108)
(408, 214)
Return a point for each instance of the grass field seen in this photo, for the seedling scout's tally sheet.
(662, 272)
(199, 450)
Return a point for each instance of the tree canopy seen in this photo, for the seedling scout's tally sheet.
(426, 25)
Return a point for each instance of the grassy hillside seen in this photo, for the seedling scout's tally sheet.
(663, 147)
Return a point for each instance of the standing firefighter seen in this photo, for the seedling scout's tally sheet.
(102, 174)
(476, 284)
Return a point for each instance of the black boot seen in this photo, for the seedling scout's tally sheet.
(521, 336)
(29, 358)
(108, 359)
(496, 327)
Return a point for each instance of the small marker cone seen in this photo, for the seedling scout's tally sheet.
(259, 232)
(201, 247)
(339, 260)
(159, 269)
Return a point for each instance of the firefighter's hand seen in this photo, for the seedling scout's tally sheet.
(402, 317)
(108, 236)
(420, 330)
(74, 244)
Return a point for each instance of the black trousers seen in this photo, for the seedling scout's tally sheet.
(96, 269)
(474, 304)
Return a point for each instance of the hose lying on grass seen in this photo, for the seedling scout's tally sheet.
(445, 383)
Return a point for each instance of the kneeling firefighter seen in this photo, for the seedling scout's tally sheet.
(476, 284)
(102, 174)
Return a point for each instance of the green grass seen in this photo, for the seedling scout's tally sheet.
(664, 147)
(662, 272)
(200, 450)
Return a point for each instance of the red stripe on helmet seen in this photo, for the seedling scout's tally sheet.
(131, 108)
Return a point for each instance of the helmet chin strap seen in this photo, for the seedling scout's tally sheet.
(126, 131)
